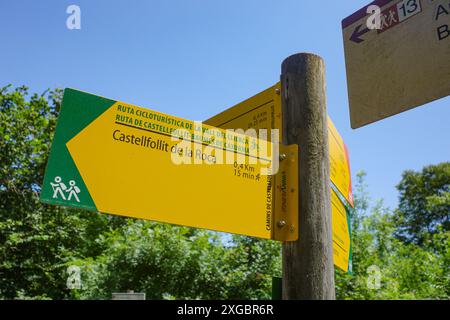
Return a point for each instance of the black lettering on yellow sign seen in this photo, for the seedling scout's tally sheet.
(143, 141)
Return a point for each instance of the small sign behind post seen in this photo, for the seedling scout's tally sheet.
(262, 111)
(117, 158)
(403, 64)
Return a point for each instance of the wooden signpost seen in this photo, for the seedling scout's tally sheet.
(402, 65)
(308, 271)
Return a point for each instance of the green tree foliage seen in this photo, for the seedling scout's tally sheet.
(168, 262)
(405, 270)
(424, 205)
(35, 239)
(38, 242)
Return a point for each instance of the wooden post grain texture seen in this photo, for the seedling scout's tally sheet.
(308, 270)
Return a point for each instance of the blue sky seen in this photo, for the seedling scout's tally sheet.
(195, 58)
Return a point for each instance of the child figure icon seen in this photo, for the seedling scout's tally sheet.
(73, 191)
(58, 188)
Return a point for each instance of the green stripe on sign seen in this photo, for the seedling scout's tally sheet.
(63, 184)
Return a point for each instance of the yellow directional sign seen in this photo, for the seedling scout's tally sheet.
(263, 111)
(400, 61)
(121, 159)
(339, 163)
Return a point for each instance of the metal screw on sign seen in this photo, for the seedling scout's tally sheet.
(281, 223)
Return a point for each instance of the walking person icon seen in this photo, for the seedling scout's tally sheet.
(58, 188)
(73, 190)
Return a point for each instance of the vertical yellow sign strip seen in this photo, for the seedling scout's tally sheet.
(286, 196)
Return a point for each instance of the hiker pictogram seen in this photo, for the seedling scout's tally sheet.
(61, 190)
(58, 188)
(73, 190)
